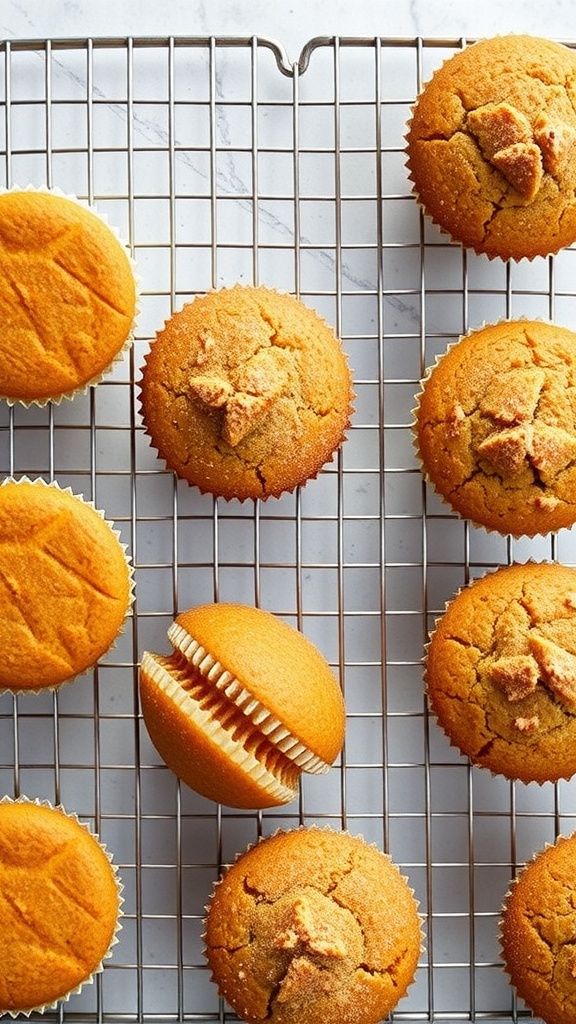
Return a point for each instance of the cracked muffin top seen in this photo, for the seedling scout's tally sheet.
(246, 393)
(500, 671)
(313, 925)
(491, 147)
(537, 933)
(59, 907)
(495, 427)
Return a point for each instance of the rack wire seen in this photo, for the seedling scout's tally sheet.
(219, 161)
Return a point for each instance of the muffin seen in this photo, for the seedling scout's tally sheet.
(60, 905)
(65, 585)
(246, 393)
(243, 705)
(67, 296)
(537, 933)
(500, 671)
(491, 147)
(313, 925)
(495, 427)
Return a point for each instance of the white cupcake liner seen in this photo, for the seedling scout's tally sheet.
(89, 980)
(428, 371)
(84, 388)
(39, 481)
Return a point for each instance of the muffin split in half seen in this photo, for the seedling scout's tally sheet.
(242, 706)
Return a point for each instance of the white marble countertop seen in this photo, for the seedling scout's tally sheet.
(292, 22)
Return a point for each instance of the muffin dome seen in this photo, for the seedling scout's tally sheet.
(314, 926)
(246, 393)
(491, 147)
(495, 427)
(537, 933)
(68, 296)
(500, 671)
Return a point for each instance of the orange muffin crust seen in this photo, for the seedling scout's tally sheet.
(59, 905)
(243, 705)
(67, 296)
(65, 585)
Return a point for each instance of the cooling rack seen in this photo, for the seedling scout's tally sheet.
(220, 161)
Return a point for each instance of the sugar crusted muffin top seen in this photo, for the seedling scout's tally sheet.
(500, 671)
(325, 929)
(495, 427)
(491, 146)
(537, 933)
(246, 392)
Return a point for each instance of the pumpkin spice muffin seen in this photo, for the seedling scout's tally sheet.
(537, 933)
(500, 671)
(313, 926)
(60, 905)
(67, 296)
(495, 427)
(65, 585)
(491, 147)
(246, 393)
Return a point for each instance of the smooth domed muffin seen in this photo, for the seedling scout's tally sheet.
(65, 585)
(246, 393)
(500, 671)
(537, 933)
(59, 905)
(67, 296)
(496, 427)
(242, 706)
(313, 926)
(491, 147)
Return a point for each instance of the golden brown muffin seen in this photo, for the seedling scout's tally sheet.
(67, 296)
(65, 585)
(491, 147)
(313, 926)
(496, 427)
(243, 705)
(537, 933)
(59, 905)
(500, 671)
(246, 393)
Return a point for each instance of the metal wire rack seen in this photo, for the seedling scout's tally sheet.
(220, 161)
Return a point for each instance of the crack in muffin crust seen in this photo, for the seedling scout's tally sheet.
(495, 427)
(538, 932)
(491, 144)
(325, 930)
(500, 671)
(246, 393)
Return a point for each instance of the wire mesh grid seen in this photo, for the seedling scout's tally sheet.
(220, 161)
